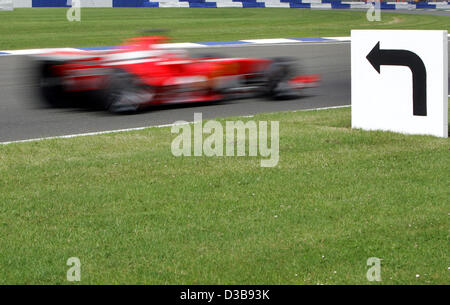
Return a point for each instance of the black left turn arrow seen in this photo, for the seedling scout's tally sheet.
(378, 57)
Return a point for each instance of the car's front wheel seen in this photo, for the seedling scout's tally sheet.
(277, 76)
(123, 93)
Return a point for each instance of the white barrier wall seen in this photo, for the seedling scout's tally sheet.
(6, 5)
(358, 5)
(96, 3)
(441, 5)
(275, 3)
(227, 3)
(313, 4)
(172, 3)
(402, 5)
(22, 3)
(312, 1)
(320, 5)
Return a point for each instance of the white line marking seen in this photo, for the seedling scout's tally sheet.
(270, 41)
(90, 133)
(181, 45)
(320, 108)
(280, 44)
(339, 38)
(137, 128)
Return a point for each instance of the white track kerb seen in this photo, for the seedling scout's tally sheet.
(192, 45)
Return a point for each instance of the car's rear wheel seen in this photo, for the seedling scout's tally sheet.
(51, 85)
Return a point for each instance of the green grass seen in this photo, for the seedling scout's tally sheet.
(134, 213)
(48, 27)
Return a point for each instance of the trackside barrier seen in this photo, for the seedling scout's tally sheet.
(6, 5)
(311, 4)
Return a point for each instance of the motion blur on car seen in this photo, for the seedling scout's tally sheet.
(145, 71)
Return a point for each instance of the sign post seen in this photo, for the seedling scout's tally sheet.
(400, 81)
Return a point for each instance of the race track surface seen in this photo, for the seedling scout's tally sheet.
(23, 116)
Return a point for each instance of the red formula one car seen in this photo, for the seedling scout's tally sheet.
(143, 72)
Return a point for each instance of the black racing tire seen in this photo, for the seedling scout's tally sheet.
(51, 85)
(278, 73)
(123, 93)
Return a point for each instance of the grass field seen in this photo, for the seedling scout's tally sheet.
(48, 27)
(134, 213)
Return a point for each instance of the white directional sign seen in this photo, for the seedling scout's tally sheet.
(400, 81)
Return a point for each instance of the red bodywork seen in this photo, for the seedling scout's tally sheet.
(168, 74)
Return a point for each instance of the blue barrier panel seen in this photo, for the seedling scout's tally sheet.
(49, 3)
(205, 4)
(425, 5)
(254, 1)
(335, 4)
(151, 4)
(386, 6)
(299, 5)
(253, 4)
(128, 3)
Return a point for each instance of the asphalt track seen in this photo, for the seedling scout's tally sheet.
(22, 115)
